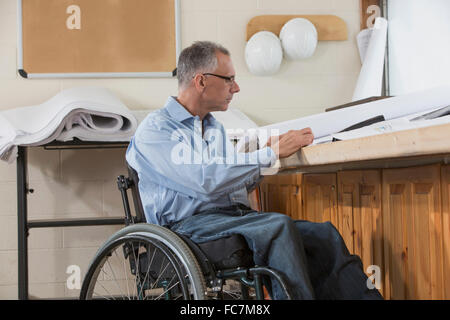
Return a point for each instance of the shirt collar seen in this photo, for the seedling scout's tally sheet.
(177, 111)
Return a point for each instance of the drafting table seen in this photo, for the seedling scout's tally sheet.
(402, 148)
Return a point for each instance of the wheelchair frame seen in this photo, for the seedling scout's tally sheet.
(201, 270)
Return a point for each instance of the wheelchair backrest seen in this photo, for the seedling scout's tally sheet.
(133, 176)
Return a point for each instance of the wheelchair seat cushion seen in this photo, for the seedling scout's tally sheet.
(228, 252)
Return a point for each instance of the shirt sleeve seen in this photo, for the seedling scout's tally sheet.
(155, 154)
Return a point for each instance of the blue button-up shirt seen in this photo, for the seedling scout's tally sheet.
(186, 165)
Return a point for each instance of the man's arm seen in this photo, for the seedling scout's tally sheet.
(290, 142)
(156, 152)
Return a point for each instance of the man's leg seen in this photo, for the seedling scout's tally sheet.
(334, 273)
(273, 238)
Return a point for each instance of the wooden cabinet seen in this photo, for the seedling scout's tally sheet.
(413, 232)
(397, 219)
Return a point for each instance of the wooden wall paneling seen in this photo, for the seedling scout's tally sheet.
(412, 230)
(264, 188)
(359, 215)
(445, 185)
(348, 201)
(294, 204)
(320, 198)
(282, 193)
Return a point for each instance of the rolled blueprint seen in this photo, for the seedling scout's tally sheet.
(370, 78)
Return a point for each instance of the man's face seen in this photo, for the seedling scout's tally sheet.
(219, 91)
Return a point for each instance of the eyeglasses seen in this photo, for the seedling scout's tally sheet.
(229, 80)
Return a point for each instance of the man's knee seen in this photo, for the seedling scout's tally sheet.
(328, 230)
(281, 219)
(320, 230)
(280, 223)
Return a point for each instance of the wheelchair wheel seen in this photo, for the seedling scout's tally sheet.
(144, 262)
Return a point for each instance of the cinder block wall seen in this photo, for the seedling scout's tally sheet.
(81, 183)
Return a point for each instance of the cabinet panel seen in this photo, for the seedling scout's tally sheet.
(282, 193)
(412, 227)
(445, 183)
(359, 215)
(320, 198)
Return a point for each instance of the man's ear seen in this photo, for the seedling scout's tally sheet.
(199, 82)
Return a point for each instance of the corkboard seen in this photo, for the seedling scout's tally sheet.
(100, 38)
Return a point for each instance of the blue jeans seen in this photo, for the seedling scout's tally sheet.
(312, 257)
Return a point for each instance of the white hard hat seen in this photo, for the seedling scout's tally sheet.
(298, 38)
(263, 53)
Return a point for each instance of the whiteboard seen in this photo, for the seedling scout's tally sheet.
(98, 39)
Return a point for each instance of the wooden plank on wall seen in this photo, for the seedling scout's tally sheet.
(328, 27)
(364, 14)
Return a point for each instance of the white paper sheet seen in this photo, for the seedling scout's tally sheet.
(370, 78)
(394, 125)
(328, 123)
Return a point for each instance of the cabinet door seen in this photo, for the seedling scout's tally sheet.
(359, 216)
(412, 227)
(445, 183)
(319, 198)
(282, 193)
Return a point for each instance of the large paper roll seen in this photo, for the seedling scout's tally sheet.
(87, 113)
(370, 78)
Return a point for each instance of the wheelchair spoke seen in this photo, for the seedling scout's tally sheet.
(136, 267)
(106, 290)
(125, 273)
(148, 268)
(167, 290)
(114, 277)
(160, 274)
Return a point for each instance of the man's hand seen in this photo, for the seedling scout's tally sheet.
(290, 142)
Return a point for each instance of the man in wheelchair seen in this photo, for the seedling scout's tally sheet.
(192, 181)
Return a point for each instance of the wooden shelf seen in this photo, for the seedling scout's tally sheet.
(328, 27)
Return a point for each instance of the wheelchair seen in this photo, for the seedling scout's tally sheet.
(145, 261)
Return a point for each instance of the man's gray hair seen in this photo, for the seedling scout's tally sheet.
(199, 57)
